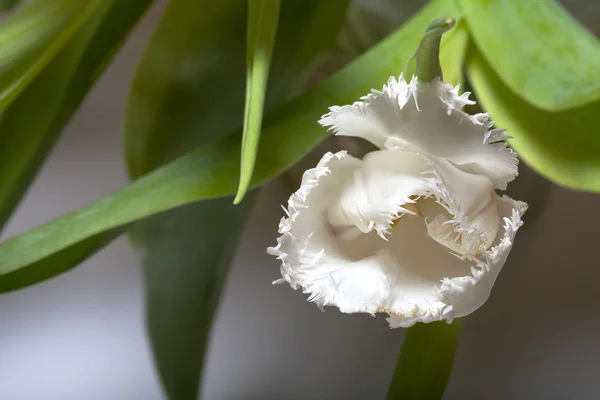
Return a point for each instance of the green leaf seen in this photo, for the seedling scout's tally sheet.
(453, 51)
(362, 30)
(211, 171)
(31, 37)
(181, 74)
(25, 141)
(186, 251)
(425, 362)
(6, 5)
(55, 94)
(58, 262)
(562, 146)
(538, 50)
(262, 26)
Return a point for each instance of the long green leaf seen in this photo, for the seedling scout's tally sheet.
(262, 25)
(538, 50)
(59, 262)
(186, 251)
(25, 141)
(211, 171)
(186, 256)
(559, 145)
(176, 81)
(6, 5)
(55, 94)
(31, 37)
(363, 28)
(425, 362)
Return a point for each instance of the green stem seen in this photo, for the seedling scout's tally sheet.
(425, 362)
(428, 53)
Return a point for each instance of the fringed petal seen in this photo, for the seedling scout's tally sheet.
(429, 116)
(385, 188)
(463, 295)
(413, 230)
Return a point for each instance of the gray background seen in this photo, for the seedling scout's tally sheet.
(81, 336)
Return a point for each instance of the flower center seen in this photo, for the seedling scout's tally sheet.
(440, 231)
(412, 207)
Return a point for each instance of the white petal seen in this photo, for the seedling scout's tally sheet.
(470, 200)
(304, 215)
(428, 116)
(378, 192)
(463, 295)
(375, 116)
(412, 277)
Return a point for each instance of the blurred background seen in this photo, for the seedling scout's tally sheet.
(81, 335)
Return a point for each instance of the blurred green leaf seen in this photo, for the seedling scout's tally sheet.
(453, 50)
(425, 362)
(195, 56)
(189, 90)
(363, 30)
(25, 141)
(538, 50)
(179, 76)
(186, 256)
(563, 146)
(211, 171)
(6, 5)
(369, 21)
(31, 37)
(58, 262)
(262, 26)
(54, 95)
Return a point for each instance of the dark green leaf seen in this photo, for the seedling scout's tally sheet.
(186, 251)
(425, 362)
(538, 50)
(53, 96)
(31, 37)
(363, 30)
(6, 5)
(262, 25)
(186, 256)
(180, 75)
(562, 145)
(25, 141)
(178, 101)
(211, 171)
(59, 262)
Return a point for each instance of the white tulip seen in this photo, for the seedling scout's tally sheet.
(416, 229)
